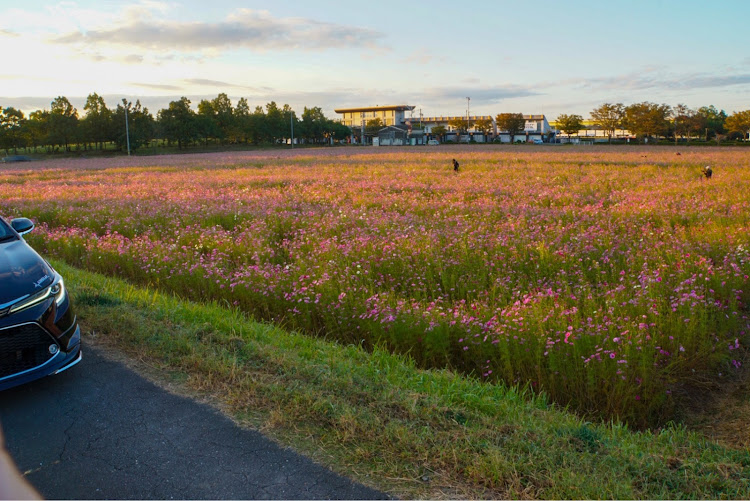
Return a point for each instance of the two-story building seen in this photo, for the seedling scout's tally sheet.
(390, 115)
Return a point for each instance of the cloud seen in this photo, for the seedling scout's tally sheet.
(650, 79)
(480, 94)
(211, 83)
(245, 28)
(155, 86)
(8, 33)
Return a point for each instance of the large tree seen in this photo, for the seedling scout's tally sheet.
(570, 124)
(512, 123)
(739, 121)
(648, 119)
(206, 123)
(372, 127)
(12, 122)
(178, 122)
(709, 121)
(682, 120)
(96, 125)
(140, 125)
(439, 131)
(608, 117)
(63, 122)
(483, 125)
(459, 124)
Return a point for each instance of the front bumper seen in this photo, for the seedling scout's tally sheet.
(38, 342)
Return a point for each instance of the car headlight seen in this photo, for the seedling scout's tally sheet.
(56, 290)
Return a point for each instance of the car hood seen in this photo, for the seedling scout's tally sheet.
(22, 271)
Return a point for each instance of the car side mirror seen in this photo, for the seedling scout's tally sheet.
(22, 225)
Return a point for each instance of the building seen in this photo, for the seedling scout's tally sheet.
(390, 115)
(429, 123)
(592, 132)
(536, 128)
(399, 135)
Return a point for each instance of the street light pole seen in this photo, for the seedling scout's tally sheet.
(468, 114)
(291, 123)
(127, 130)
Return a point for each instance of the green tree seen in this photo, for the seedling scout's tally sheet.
(511, 123)
(63, 122)
(439, 131)
(177, 122)
(241, 120)
(570, 124)
(682, 121)
(648, 119)
(709, 121)
(459, 124)
(739, 121)
(483, 125)
(372, 127)
(36, 128)
(314, 125)
(12, 122)
(206, 122)
(96, 125)
(339, 131)
(141, 126)
(276, 127)
(608, 117)
(224, 117)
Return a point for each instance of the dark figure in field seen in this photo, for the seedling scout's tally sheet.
(707, 171)
(455, 165)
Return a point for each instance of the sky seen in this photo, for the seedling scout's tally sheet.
(505, 56)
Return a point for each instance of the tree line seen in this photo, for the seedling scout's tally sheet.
(134, 126)
(648, 119)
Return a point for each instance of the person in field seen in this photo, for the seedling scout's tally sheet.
(707, 171)
(455, 165)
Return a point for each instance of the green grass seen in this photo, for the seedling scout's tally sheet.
(377, 418)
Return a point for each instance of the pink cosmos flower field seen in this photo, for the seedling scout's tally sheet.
(613, 279)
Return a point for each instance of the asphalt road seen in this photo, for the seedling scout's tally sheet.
(100, 431)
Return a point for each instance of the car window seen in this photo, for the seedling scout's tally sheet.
(5, 231)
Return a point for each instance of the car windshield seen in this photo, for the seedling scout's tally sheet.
(5, 232)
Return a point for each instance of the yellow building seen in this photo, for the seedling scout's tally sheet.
(389, 115)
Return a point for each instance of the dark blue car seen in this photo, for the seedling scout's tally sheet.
(39, 334)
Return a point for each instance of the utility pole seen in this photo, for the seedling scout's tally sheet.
(291, 123)
(468, 115)
(127, 130)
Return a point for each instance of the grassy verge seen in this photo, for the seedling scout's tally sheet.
(378, 419)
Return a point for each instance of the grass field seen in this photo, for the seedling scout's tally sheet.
(615, 280)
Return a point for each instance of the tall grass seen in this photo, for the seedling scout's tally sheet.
(607, 280)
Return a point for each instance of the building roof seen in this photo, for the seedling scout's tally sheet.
(473, 118)
(395, 107)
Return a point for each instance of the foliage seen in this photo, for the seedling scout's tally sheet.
(372, 127)
(587, 283)
(738, 121)
(511, 123)
(483, 125)
(570, 124)
(12, 122)
(609, 117)
(647, 119)
(378, 419)
(458, 124)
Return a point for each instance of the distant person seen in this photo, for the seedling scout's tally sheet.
(455, 165)
(12, 484)
(708, 172)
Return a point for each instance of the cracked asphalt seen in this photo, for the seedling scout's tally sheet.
(100, 431)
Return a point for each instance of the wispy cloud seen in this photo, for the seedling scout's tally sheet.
(650, 79)
(481, 94)
(245, 28)
(8, 33)
(147, 85)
